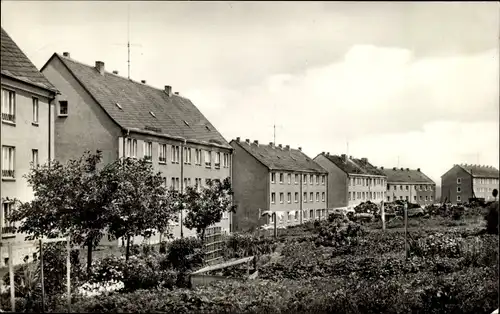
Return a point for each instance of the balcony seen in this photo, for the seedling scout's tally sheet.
(8, 173)
(8, 117)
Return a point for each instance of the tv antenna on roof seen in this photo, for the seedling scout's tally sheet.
(274, 125)
(128, 41)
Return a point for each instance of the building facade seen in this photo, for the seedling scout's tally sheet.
(99, 110)
(27, 136)
(281, 180)
(464, 181)
(351, 181)
(409, 185)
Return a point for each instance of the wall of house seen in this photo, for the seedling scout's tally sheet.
(483, 187)
(251, 186)
(362, 188)
(449, 185)
(24, 135)
(87, 127)
(317, 208)
(425, 193)
(337, 183)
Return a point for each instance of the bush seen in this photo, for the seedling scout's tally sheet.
(185, 254)
(243, 245)
(492, 219)
(340, 233)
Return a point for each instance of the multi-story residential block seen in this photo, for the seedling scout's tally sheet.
(351, 181)
(26, 136)
(121, 117)
(277, 179)
(463, 182)
(409, 185)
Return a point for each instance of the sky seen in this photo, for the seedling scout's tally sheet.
(404, 84)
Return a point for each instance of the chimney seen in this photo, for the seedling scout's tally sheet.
(300, 148)
(350, 157)
(280, 146)
(402, 169)
(328, 153)
(168, 90)
(238, 139)
(66, 54)
(344, 157)
(407, 169)
(393, 168)
(382, 168)
(247, 141)
(418, 169)
(271, 144)
(287, 147)
(143, 81)
(177, 93)
(364, 160)
(115, 72)
(256, 142)
(322, 153)
(99, 65)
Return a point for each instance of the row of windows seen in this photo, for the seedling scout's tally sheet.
(421, 198)
(481, 190)
(9, 161)
(131, 151)
(365, 195)
(306, 214)
(421, 187)
(481, 180)
(296, 198)
(175, 183)
(312, 178)
(353, 181)
(9, 107)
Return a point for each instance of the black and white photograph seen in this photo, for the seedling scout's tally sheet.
(250, 157)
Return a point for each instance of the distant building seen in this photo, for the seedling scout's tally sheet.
(351, 181)
(101, 110)
(462, 182)
(278, 179)
(409, 185)
(27, 136)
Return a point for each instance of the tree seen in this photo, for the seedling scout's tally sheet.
(69, 198)
(206, 206)
(141, 202)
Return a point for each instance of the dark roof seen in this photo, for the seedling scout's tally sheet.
(481, 171)
(406, 175)
(276, 158)
(143, 107)
(354, 165)
(15, 64)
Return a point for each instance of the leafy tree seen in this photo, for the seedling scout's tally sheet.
(206, 205)
(141, 202)
(69, 198)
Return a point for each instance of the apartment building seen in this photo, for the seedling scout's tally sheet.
(351, 181)
(279, 179)
(465, 181)
(102, 110)
(410, 185)
(26, 136)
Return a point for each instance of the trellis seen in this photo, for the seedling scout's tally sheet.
(40, 243)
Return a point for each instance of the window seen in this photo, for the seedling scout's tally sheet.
(208, 159)
(317, 180)
(175, 154)
(459, 180)
(208, 181)
(8, 155)
(401, 197)
(311, 179)
(288, 216)
(217, 160)
(162, 153)
(35, 110)
(425, 187)
(282, 196)
(305, 214)
(318, 213)
(185, 183)
(296, 178)
(63, 108)
(317, 196)
(458, 198)
(322, 196)
(289, 197)
(426, 198)
(271, 218)
(281, 178)
(305, 197)
(420, 188)
(414, 197)
(131, 148)
(401, 187)
(420, 197)
(407, 187)
(406, 198)
(311, 197)
(296, 197)
(225, 162)
(7, 210)
(273, 177)
(388, 198)
(289, 178)
(323, 212)
(311, 214)
(187, 155)
(8, 106)
(359, 195)
(430, 197)
(354, 196)
(349, 196)
(323, 179)
(459, 189)
(34, 157)
(198, 157)
(304, 179)
(296, 215)
(395, 188)
(363, 193)
(148, 151)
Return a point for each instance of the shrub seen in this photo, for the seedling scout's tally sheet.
(243, 245)
(185, 253)
(492, 219)
(340, 233)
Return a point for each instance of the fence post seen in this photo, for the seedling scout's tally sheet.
(11, 279)
(68, 273)
(406, 229)
(41, 275)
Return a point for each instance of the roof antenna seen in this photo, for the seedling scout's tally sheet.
(128, 41)
(398, 162)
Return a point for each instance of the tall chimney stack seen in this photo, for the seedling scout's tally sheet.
(256, 142)
(115, 72)
(300, 148)
(143, 81)
(247, 141)
(66, 54)
(238, 139)
(99, 65)
(287, 147)
(168, 90)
